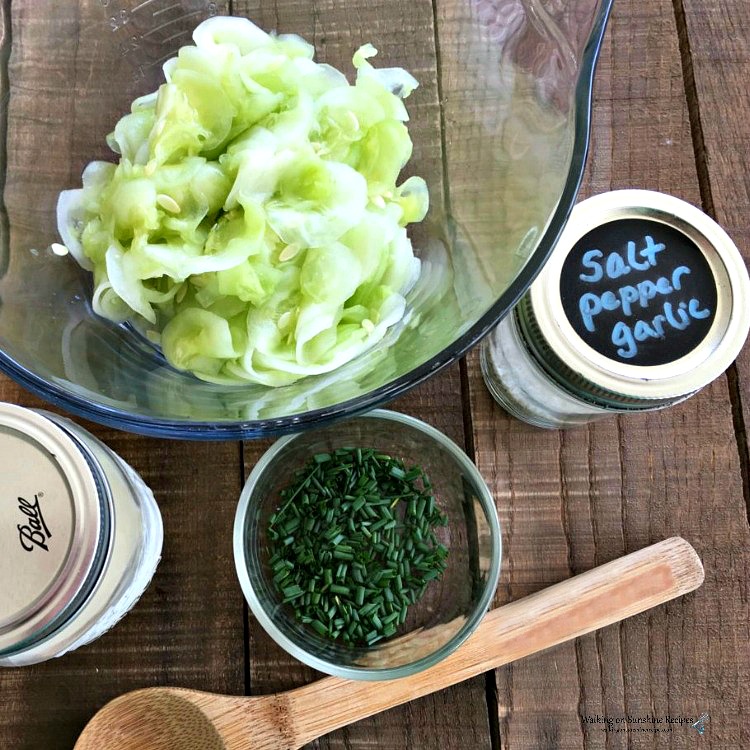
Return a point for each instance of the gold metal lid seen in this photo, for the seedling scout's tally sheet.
(54, 526)
(644, 300)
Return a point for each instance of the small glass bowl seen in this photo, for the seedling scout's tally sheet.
(451, 608)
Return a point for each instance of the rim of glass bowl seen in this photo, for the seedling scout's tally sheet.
(236, 429)
(365, 673)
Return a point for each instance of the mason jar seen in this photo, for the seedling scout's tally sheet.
(81, 536)
(644, 301)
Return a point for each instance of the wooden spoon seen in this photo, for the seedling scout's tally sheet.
(178, 719)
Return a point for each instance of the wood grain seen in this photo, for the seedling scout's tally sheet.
(176, 719)
(404, 35)
(186, 630)
(188, 627)
(590, 600)
(567, 501)
(715, 42)
(570, 500)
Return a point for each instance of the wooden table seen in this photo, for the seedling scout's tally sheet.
(671, 113)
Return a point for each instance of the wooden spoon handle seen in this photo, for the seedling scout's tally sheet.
(588, 601)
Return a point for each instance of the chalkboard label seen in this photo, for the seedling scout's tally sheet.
(638, 291)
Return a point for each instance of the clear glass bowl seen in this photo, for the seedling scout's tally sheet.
(451, 608)
(499, 122)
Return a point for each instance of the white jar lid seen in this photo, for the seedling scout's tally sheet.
(645, 299)
(54, 526)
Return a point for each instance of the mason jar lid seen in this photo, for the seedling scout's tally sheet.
(54, 526)
(644, 300)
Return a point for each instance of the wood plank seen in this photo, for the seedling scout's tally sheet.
(716, 52)
(715, 39)
(571, 500)
(188, 627)
(404, 35)
(187, 630)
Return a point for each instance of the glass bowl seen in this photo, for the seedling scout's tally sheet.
(499, 123)
(452, 606)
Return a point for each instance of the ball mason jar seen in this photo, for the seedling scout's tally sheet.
(81, 536)
(644, 301)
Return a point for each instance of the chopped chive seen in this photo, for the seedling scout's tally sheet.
(281, 576)
(359, 596)
(354, 541)
(292, 592)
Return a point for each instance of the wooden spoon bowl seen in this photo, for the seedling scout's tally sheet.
(178, 719)
(155, 718)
